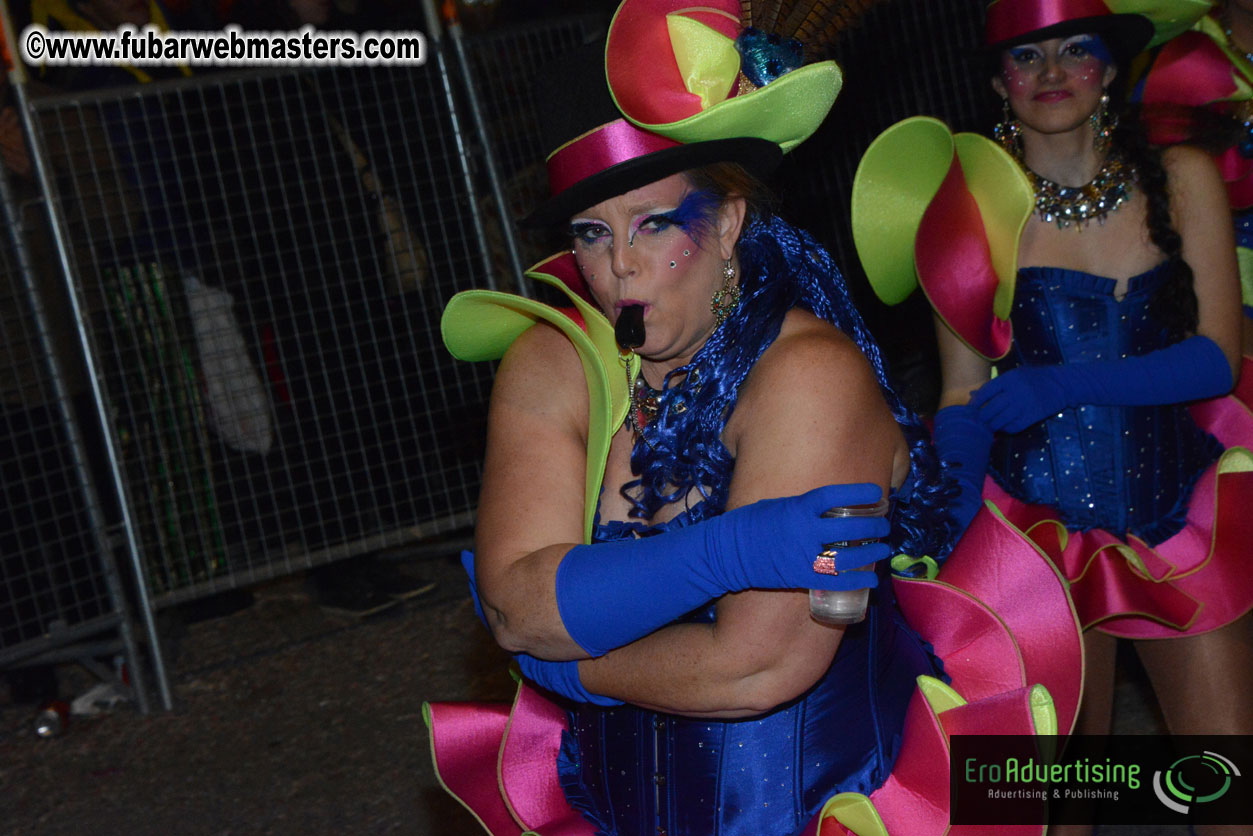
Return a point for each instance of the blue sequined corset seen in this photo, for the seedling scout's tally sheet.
(1244, 228)
(639, 773)
(1122, 469)
(1244, 238)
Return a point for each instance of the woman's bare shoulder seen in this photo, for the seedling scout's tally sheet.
(541, 372)
(811, 413)
(812, 367)
(810, 350)
(1191, 173)
(1182, 157)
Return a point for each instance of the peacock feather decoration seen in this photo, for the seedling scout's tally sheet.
(782, 35)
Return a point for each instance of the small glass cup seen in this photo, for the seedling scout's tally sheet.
(845, 606)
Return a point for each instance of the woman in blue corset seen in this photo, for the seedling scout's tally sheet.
(1104, 430)
(662, 447)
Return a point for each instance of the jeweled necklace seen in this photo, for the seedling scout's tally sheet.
(1066, 205)
(646, 401)
(644, 404)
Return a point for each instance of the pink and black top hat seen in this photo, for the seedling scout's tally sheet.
(600, 154)
(1012, 22)
(675, 86)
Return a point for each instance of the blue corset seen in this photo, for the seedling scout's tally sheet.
(1244, 228)
(1119, 468)
(635, 772)
(1244, 238)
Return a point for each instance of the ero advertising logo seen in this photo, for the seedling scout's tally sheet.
(1115, 779)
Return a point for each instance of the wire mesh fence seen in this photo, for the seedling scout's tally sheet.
(501, 69)
(266, 259)
(54, 563)
(257, 265)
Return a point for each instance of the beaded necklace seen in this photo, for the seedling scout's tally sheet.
(644, 404)
(1104, 193)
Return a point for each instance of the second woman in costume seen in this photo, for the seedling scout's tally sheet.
(1107, 304)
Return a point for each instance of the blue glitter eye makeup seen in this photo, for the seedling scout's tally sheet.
(1023, 54)
(588, 233)
(695, 215)
(1085, 45)
(652, 224)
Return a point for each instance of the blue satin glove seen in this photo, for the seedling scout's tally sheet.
(559, 677)
(963, 442)
(467, 563)
(1190, 370)
(610, 594)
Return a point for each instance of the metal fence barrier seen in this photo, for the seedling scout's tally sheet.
(257, 265)
(60, 588)
(239, 373)
(499, 70)
(261, 299)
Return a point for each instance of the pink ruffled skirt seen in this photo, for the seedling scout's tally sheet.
(1197, 580)
(1003, 625)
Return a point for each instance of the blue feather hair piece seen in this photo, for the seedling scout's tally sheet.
(696, 214)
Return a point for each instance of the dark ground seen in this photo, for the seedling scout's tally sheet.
(289, 720)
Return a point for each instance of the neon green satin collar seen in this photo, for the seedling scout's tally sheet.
(482, 324)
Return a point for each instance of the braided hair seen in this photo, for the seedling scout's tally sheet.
(1174, 304)
(781, 267)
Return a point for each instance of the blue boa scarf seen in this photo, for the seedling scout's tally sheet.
(781, 267)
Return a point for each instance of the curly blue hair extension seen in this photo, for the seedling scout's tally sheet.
(781, 267)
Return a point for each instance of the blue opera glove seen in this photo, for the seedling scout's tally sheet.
(1190, 370)
(963, 442)
(467, 563)
(559, 677)
(610, 594)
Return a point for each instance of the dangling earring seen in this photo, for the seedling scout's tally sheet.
(1103, 124)
(1008, 132)
(727, 297)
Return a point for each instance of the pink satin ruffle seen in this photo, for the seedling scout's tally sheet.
(914, 801)
(1190, 70)
(1026, 634)
(1001, 622)
(1237, 174)
(1193, 582)
(1028, 596)
(500, 762)
(461, 734)
(1244, 386)
(1192, 74)
(955, 269)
